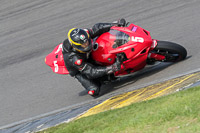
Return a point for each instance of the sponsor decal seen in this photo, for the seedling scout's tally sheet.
(134, 29)
(78, 62)
(82, 37)
(75, 32)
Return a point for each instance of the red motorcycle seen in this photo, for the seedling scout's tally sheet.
(132, 44)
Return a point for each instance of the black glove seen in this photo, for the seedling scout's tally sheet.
(114, 67)
(121, 22)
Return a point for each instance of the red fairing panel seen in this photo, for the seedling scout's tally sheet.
(136, 43)
(55, 61)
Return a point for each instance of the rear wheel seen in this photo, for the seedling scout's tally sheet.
(173, 52)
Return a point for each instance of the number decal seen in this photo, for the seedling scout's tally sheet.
(137, 39)
(56, 66)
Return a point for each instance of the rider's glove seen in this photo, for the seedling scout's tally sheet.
(114, 67)
(121, 22)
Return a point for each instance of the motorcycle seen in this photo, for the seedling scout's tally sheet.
(132, 44)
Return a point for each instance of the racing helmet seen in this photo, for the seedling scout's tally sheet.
(80, 40)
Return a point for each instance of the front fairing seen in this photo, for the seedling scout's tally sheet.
(134, 42)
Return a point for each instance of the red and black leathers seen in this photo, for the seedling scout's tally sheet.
(78, 64)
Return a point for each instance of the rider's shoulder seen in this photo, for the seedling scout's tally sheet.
(75, 56)
(67, 46)
(66, 42)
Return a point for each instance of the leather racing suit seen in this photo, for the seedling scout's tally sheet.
(79, 64)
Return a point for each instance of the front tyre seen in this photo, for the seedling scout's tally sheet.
(173, 52)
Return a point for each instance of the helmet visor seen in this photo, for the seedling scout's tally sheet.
(85, 47)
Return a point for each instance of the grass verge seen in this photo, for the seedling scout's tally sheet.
(179, 112)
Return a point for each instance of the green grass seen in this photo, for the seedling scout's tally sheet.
(176, 113)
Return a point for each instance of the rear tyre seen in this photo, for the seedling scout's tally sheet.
(173, 52)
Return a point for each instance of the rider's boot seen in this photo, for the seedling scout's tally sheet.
(92, 86)
(93, 91)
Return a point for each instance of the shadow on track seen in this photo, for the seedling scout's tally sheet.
(128, 80)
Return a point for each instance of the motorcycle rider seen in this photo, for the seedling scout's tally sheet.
(76, 50)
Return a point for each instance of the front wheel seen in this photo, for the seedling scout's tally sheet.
(173, 52)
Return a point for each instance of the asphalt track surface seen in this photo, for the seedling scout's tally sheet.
(29, 30)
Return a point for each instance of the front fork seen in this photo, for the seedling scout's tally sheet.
(155, 56)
